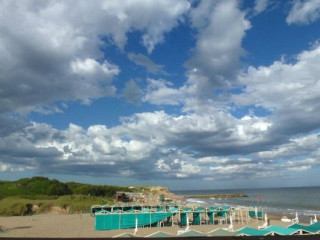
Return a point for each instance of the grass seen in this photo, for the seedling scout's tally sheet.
(42, 186)
(19, 197)
(19, 206)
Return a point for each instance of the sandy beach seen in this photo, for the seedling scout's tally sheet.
(82, 226)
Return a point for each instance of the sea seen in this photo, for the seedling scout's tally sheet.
(304, 201)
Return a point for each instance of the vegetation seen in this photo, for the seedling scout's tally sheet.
(94, 190)
(39, 194)
(41, 186)
(33, 187)
(17, 206)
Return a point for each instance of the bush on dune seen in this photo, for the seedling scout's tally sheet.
(40, 195)
(15, 206)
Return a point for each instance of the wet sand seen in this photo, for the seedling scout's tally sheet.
(82, 226)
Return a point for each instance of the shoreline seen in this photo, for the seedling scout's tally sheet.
(226, 195)
(216, 201)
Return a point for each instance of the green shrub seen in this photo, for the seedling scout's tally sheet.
(15, 206)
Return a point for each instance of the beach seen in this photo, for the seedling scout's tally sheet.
(59, 224)
(56, 225)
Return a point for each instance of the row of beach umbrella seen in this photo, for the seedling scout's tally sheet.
(263, 230)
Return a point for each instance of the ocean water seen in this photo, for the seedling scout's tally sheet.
(303, 200)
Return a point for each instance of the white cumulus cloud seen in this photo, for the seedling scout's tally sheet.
(304, 12)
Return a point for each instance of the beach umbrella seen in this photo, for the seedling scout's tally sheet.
(296, 220)
(125, 235)
(221, 232)
(159, 234)
(266, 218)
(136, 228)
(250, 231)
(187, 222)
(187, 227)
(265, 223)
(279, 230)
(231, 223)
(192, 233)
(315, 218)
(256, 212)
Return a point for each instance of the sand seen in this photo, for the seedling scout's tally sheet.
(82, 226)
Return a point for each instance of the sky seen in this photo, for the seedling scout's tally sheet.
(219, 94)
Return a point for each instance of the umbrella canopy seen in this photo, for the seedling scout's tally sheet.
(126, 235)
(281, 230)
(313, 228)
(191, 233)
(305, 229)
(221, 232)
(249, 231)
(159, 234)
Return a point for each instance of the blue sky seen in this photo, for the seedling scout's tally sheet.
(186, 94)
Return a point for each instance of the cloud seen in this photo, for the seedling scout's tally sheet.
(260, 6)
(217, 133)
(296, 147)
(304, 12)
(215, 59)
(147, 63)
(51, 51)
(11, 168)
(93, 69)
(51, 54)
(155, 145)
(288, 90)
(132, 92)
(161, 92)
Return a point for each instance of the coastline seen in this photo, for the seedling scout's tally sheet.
(226, 195)
(82, 225)
(303, 200)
